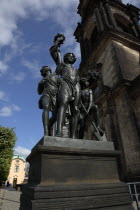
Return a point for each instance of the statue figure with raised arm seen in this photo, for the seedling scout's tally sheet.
(69, 90)
(48, 88)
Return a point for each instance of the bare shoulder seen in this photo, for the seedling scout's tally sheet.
(41, 82)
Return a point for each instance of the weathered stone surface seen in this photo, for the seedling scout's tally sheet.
(74, 174)
(129, 134)
(134, 91)
(110, 69)
(67, 161)
(128, 60)
(112, 197)
(118, 97)
(57, 142)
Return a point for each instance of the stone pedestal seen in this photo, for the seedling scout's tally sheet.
(72, 174)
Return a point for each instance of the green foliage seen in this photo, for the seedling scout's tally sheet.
(7, 142)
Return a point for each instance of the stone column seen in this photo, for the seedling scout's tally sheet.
(104, 15)
(135, 21)
(110, 15)
(134, 28)
(99, 20)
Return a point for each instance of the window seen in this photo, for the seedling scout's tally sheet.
(16, 168)
(17, 161)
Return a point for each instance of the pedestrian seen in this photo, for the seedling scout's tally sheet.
(7, 185)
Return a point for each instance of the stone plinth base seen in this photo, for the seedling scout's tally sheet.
(72, 174)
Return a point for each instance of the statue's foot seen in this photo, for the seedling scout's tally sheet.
(59, 135)
(73, 137)
(46, 133)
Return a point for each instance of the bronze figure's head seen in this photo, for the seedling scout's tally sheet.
(69, 58)
(45, 70)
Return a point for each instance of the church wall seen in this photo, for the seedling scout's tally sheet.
(129, 61)
(136, 108)
(117, 48)
(110, 69)
(128, 132)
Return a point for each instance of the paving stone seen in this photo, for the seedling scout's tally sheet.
(9, 199)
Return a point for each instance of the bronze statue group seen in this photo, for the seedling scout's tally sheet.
(67, 96)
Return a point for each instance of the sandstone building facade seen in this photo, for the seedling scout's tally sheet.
(109, 35)
(17, 170)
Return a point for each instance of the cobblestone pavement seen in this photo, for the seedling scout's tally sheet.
(9, 199)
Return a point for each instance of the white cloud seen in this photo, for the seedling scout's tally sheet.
(65, 17)
(3, 67)
(18, 77)
(16, 48)
(33, 66)
(8, 110)
(8, 20)
(3, 96)
(21, 151)
(9, 15)
(15, 108)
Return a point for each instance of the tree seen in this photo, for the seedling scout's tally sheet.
(7, 142)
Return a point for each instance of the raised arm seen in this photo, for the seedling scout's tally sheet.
(54, 50)
(55, 53)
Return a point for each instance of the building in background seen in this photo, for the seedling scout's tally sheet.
(17, 170)
(109, 35)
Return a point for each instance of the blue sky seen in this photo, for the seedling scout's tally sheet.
(27, 28)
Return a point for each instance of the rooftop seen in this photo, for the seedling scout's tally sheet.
(19, 157)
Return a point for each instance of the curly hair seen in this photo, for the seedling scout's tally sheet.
(83, 82)
(67, 54)
(45, 69)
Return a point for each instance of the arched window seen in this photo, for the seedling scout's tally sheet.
(16, 168)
